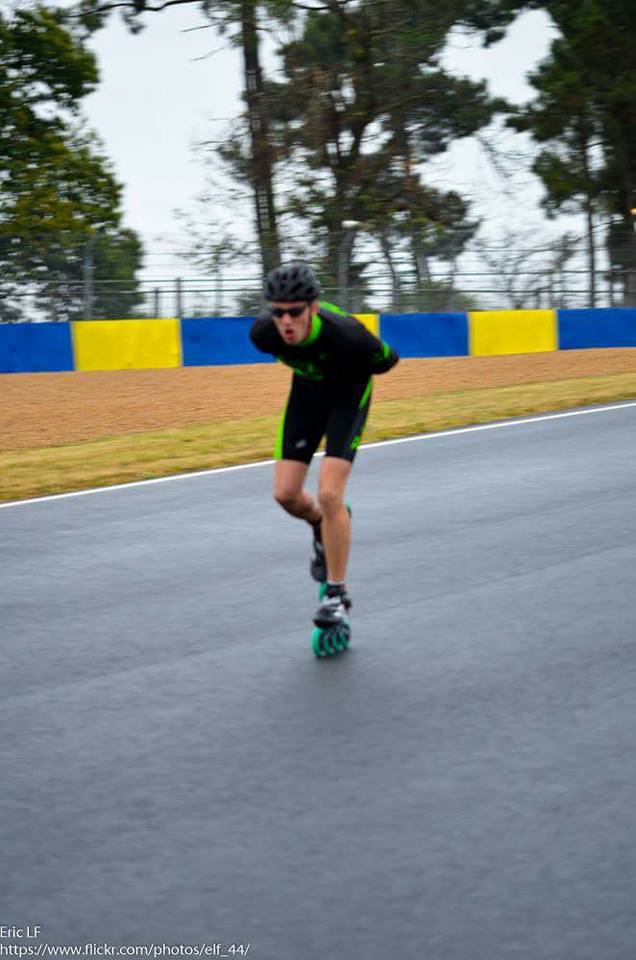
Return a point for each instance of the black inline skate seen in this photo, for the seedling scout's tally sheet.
(332, 631)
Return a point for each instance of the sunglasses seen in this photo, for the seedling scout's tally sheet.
(293, 312)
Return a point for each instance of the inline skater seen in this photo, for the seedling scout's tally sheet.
(334, 358)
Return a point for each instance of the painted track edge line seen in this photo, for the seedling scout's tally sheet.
(433, 435)
(136, 483)
(496, 424)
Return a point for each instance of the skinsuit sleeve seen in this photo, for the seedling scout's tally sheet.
(265, 336)
(352, 340)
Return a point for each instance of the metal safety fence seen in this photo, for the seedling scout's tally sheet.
(54, 300)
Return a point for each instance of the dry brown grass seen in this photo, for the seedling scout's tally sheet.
(45, 410)
(138, 455)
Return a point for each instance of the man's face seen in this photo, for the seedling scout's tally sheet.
(293, 319)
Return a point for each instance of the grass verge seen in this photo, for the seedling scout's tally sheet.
(141, 456)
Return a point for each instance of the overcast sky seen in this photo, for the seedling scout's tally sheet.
(171, 85)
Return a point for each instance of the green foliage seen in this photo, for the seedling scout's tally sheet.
(584, 115)
(362, 105)
(56, 186)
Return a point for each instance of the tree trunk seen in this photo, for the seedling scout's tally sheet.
(261, 150)
(591, 253)
(395, 279)
(589, 216)
(420, 261)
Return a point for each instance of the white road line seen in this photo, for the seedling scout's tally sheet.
(435, 435)
(501, 423)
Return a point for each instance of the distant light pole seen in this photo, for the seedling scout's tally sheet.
(89, 276)
(349, 228)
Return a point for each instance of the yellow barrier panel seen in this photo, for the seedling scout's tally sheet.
(370, 320)
(126, 344)
(493, 332)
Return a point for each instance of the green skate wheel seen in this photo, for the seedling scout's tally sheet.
(342, 637)
(322, 642)
(317, 643)
(328, 643)
(337, 642)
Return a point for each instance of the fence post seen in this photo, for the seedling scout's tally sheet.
(156, 297)
(89, 272)
(179, 293)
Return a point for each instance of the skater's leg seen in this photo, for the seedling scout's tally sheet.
(336, 522)
(289, 477)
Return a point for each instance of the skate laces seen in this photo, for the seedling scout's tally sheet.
(333, 601)
(339, 603)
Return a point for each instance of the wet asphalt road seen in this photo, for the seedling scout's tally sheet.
(177, 768)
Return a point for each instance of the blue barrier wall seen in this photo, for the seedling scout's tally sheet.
(603, 327)
(426, 334)
(207, 341)
(35, 347)
(219, 340)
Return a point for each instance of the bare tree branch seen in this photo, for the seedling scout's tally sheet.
(140, 6)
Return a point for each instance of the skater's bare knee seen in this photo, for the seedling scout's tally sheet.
(288, 498)
(334, 473)
(331, 501)
(289, 477)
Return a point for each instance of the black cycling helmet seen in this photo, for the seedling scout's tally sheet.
(293, 281)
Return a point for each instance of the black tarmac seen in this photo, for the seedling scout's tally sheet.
(178, 769)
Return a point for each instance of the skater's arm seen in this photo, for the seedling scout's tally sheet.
(265, 336)
(384, 359)
(360, 345)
